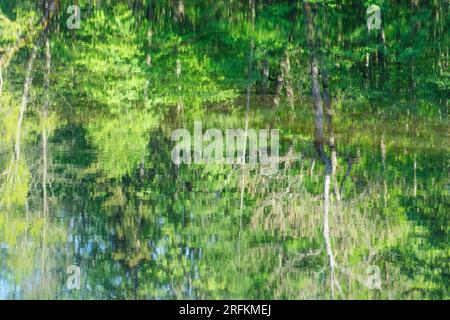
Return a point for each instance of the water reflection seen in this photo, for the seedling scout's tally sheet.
(146, 228)
(357, 210)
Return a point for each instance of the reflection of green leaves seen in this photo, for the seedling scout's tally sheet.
(14, 191)
(146, 228)
(10, 30)
(107, 59)
(197, 82)
(121, 141)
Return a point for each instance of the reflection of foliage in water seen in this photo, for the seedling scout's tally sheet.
(141, 227)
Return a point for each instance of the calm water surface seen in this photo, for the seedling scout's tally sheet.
(87, 180)
(139, 226)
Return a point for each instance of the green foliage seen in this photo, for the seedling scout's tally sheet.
(121, 141)
(141, 227)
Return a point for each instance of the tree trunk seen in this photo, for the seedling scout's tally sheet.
(331, 137)
(25, 97)
(284, 82)
(178, 10)
(265, 75)
(319, 143)
(180, 104)
(150, 10)
(44, 153)
(280, 83)
(288, 82)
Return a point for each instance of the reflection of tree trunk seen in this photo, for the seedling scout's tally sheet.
(44, 158)
(247, 115)
(319, 143)
(382, 39)
(367, 71)
(383, 160)
(347, 174)
(280, 82)
(288, 82)
(252, 11)
(326, 227)
(284, 82)
(30, 36)
(383, 42)
(148, 60)
(180, 104)
(44, 146)
(49, 9)
(150, 10)
(44, 118)
(415, 177)
(331, 138)
(412, 80)
(317, 99)
(247, 111)
(178, 10)
(148, 57)
(25, 96)
(137, 6)
(1, 81)
(265, 75)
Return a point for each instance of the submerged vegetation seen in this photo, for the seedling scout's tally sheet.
(359, 208)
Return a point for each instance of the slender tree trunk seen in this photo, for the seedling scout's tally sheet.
(247, 115)
(150, 10)
(284, 82)
(347, 174)
(45, 113)
(331, 137)
(412, 80)
(382, 39)
(1, 81)
(44, 143)
(319, 143)
(178, 10)
(317, 99)
(415, 176)
(180, 104)
(49, 8)
(265, 74)
(280, 83)
(48, 59)
(47, 73)
(25, 97)
(288, 81)
(148, 60)
(148, 57)
(383, 165)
